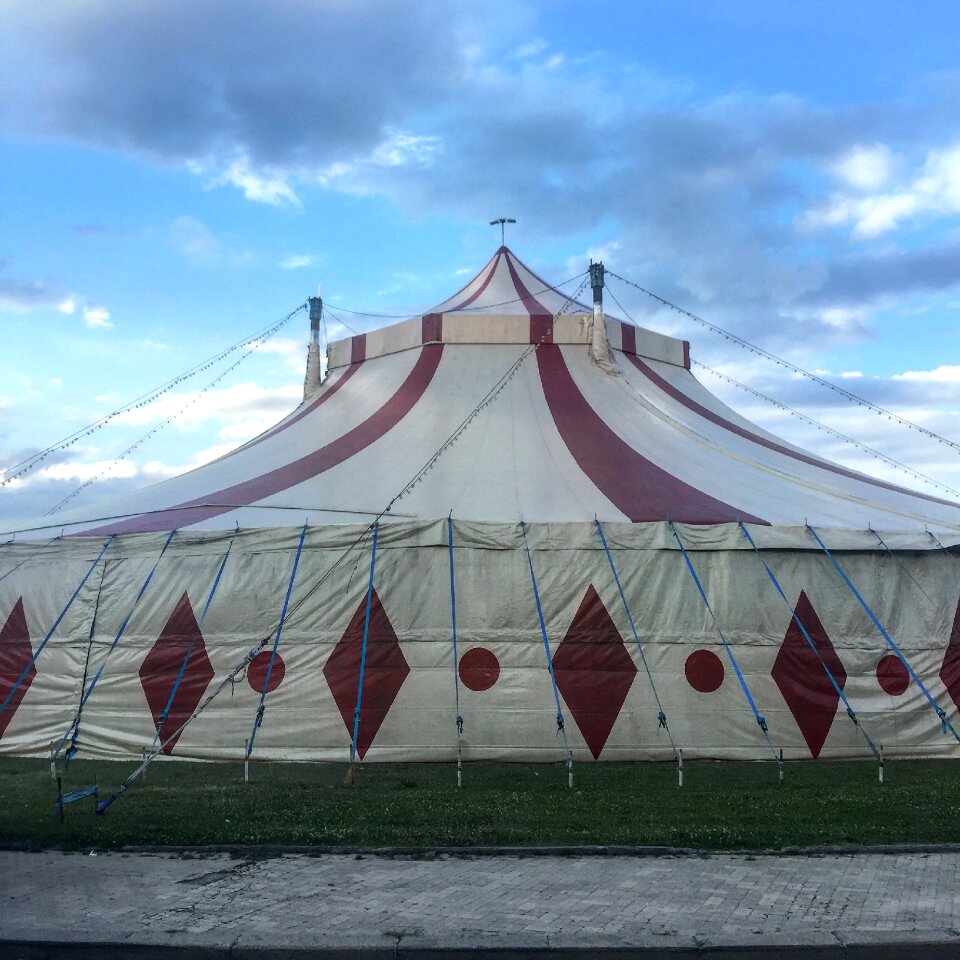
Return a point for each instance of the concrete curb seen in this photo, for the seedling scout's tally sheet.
(612, 850)
(33, 949)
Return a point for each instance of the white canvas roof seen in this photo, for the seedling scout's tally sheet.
(561, 440)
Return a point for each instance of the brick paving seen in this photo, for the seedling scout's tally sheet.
(397, 906)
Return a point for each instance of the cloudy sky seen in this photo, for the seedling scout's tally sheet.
(178, 175)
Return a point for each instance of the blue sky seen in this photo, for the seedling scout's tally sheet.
(177, 175)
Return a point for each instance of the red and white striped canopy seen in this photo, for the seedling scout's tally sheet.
(507, 431)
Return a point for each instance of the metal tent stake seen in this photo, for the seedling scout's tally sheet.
(570, 773)
(780, 765)
(53, 761)
(880, 769)
(246, 760)
(459, 772)
(680, 766)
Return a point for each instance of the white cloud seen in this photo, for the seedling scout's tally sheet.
(531, 49)
(934, 190)
(263, 186)
(78, 472)
(295, 261)
(865, 167)
(97, 318)
(193, 409)
(942, 374)
(67, 306)
(194, 239)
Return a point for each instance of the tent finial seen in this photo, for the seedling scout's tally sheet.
(502, 221)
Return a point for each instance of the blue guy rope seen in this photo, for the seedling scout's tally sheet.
(761, 722)
(73, 731)
(186, 660)
(661, 716)
(276, 642)
(456, 656)
(851, 713)
(56, 624)
(13, 569)
(546, 647)
(75, 741)
(945, 724)
(363, 646)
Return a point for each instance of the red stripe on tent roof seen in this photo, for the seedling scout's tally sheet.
(628, 338)
(533, 305)
(677, 394)
(358, 348)
(299, 415)
(483, 286)
(431, 328)
(636, 486)
(282, 478)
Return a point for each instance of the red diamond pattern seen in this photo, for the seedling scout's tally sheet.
(594, 671)
(161, 667)
(804, 683)
(385, 670)
(950, 671)
(15, 654)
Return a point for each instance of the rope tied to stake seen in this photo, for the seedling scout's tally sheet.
(661, 714)
(73, 731)
(186, 659)
(945, 725)
(363, 647)
(276, 642)
(810, 642)
(453, 627)
(546, 646)
(50, 632)
(761, 720)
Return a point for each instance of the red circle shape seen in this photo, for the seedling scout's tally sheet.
(257, 671)
(704, 670)
(479, 669)
(892, 675)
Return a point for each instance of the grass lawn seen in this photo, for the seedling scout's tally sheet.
(721, 806)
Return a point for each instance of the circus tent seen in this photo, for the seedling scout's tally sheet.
(512, 527)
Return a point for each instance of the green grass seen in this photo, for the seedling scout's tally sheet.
(722, 806)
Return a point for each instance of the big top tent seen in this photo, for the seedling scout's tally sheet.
(512, 527)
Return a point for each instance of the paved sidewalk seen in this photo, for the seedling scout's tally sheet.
(891, 905)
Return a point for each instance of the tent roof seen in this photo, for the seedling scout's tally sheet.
(494, 392)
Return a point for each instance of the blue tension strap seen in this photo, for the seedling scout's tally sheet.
(189, 653)
(363, 647)
(851, 713)
(453, 618)
(661, 715)
(73, 729)
(761, 722)
(56, 624)
(64, 798)
(276, 642)
(546, 642)
(945, 724)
